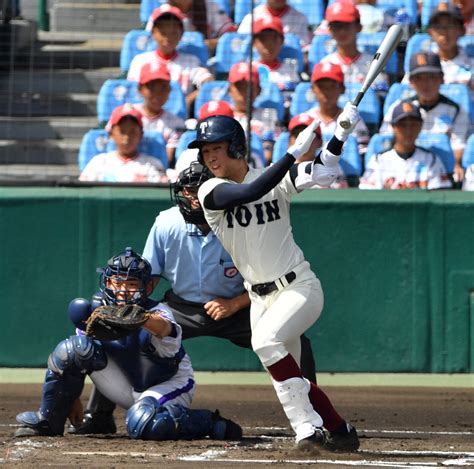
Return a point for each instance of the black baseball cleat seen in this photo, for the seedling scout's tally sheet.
(97, 424)
(34, 424)
(312, 443)
(225, 429)
(344, 441)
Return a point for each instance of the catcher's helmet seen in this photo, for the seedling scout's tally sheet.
(191, 178)
(220, 129)
(125, 266)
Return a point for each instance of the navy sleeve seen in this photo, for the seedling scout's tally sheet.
(225, 196)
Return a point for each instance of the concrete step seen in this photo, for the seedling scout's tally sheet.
(56, 81)
(39, 128)
(14, 174)
(92, 17)
(51, 152)
(43, 104)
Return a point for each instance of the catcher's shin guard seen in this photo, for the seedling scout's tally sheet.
(293, 396)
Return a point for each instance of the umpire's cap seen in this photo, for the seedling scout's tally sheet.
(215, 129)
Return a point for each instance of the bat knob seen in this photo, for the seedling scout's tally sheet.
(345, 124)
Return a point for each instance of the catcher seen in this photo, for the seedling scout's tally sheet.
(132, 351)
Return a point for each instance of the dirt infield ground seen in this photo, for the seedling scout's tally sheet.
(399, 427)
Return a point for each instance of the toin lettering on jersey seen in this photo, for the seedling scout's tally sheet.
(265, 212)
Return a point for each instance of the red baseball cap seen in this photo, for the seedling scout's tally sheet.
(126, 110)
(268, 22)
(327, 70)
(215, 108)
(166, 9)
(241, 71)
(303, 119)
(154, 71)
(343, 12)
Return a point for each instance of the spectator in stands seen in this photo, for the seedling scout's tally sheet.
(405, 166)
(125, 164)
(440, 114)
(268, 41)
(468, 183)
(293, 21)
(467, 11)
(154, 86)
(167, 31)
(344, 24)
(446, 26)
(295, 126)
(327, 84)
(267, 129)
(204, 16)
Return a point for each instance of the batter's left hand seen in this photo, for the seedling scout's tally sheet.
(220, 308)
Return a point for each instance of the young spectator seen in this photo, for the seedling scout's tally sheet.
(125, 164)
(154, 86)
(167, 31)
(440, 114)
(467, 11)
(405, 166)
(446, 26)
(268, 41)
(293, 21)
(239, 77)
(327, 84)
(344, 23)
(296, 125)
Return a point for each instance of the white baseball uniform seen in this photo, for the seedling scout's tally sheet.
(446, 117)
(468, 182)
(184, 68)
(293, 22)
(355, 70)
(111, 167)
(422, 170)
(170, 125)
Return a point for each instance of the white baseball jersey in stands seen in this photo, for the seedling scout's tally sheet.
(293, 22)
(355, 70)
(468, 183)
(422, 170)
(446, 117)
(184, 68)
(170, 125)
(282, 73)
(110, 167)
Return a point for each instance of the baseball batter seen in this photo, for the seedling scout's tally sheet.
(148, 372)
(248, 210)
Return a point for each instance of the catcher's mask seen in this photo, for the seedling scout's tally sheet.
(128, 265)
(184, 192)
(215, 129)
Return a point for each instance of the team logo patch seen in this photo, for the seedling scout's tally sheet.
(421, 59)
(230, 272)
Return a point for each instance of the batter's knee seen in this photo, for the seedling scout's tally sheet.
(78, 352)
(147, 420)
(268, 352)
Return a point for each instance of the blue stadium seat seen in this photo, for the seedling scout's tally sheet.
(323, 45)
(467, 41)
(468, 155)
(147, 7)
(270, 96)
(97, 141)
(419, 42)
(231, 48)
(115, 92)
(439, 144)
(190, 135)
(137, 41)
(350, 159)
(369, 108)
(427, 7)
(458, 92)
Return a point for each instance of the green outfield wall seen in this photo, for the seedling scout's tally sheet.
(397, 269)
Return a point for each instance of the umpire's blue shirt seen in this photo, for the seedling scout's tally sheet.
(198, 267)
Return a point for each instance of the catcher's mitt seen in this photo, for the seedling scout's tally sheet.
(114, 322)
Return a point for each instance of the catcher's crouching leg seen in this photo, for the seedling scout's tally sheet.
(67, 365)
(148, 420)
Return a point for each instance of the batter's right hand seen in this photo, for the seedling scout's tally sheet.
(304, 140)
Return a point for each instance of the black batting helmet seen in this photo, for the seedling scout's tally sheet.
(125, 266)
(220, 129)
(190, 178)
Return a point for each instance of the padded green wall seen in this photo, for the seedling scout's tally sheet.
(397, 269)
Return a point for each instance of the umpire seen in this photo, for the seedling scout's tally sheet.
(207, 296)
